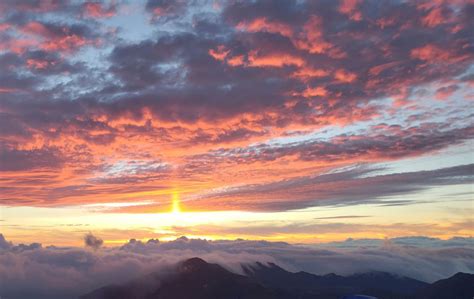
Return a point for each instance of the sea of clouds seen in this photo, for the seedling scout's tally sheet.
(34, 271)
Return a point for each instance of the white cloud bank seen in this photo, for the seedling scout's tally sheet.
(31, 271)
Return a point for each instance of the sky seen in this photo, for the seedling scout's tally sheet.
(305, 122)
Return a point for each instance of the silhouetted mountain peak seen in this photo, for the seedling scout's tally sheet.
(461, 275)
(377, 283)
(456, 278)
(377, 275)
(329, 275)
(193, 264)
(193, 278)
(197, 279)
(459, 286)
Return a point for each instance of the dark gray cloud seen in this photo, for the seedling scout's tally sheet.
(12, 159)
(390, 143)
(174, 76)
(357, 185)
(92, 241)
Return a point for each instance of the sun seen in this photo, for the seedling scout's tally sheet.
(175, 208)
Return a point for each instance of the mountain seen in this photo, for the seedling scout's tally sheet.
(196, 279)
(381, 284)
(459, 286)
(193, 278)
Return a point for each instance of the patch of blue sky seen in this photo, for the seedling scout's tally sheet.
(132, 22)
(93, 57)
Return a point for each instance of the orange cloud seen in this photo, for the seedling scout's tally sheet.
(4, 27)
(7, 90)
(345, 76)
(37, 64)
(67, 43)
(36, 28)
(446, 92)
(273, 60)
(220, 53)
(349, 7)
(314, 92)
(53, 39)
(236, 60)
(96, 10)
(434, 17)
(306, 73)
(18, 46)
(311, 38)
(376, 70)
(436, 54)
(263, 24)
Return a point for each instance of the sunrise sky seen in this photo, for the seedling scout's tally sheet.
(297, 121)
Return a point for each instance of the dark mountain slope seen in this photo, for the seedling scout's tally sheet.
(193, 278)
(458, 286)
(197, 279)
(373, 283)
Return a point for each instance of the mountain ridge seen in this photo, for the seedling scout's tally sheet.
(195, 278)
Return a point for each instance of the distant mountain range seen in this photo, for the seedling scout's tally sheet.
(196, 279)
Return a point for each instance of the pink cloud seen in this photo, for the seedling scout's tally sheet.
(97, 10)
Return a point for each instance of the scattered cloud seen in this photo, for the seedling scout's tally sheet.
(92, 241)
(103, 111)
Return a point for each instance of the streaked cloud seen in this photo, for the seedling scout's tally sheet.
(242, 106)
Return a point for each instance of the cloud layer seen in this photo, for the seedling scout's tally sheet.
(212, 95)
(53, 272)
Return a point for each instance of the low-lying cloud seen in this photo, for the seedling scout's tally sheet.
(66, 272)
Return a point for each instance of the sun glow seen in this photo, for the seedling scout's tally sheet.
(176, 208)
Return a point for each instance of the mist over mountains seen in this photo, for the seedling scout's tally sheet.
(35, 271)
(195, 278)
